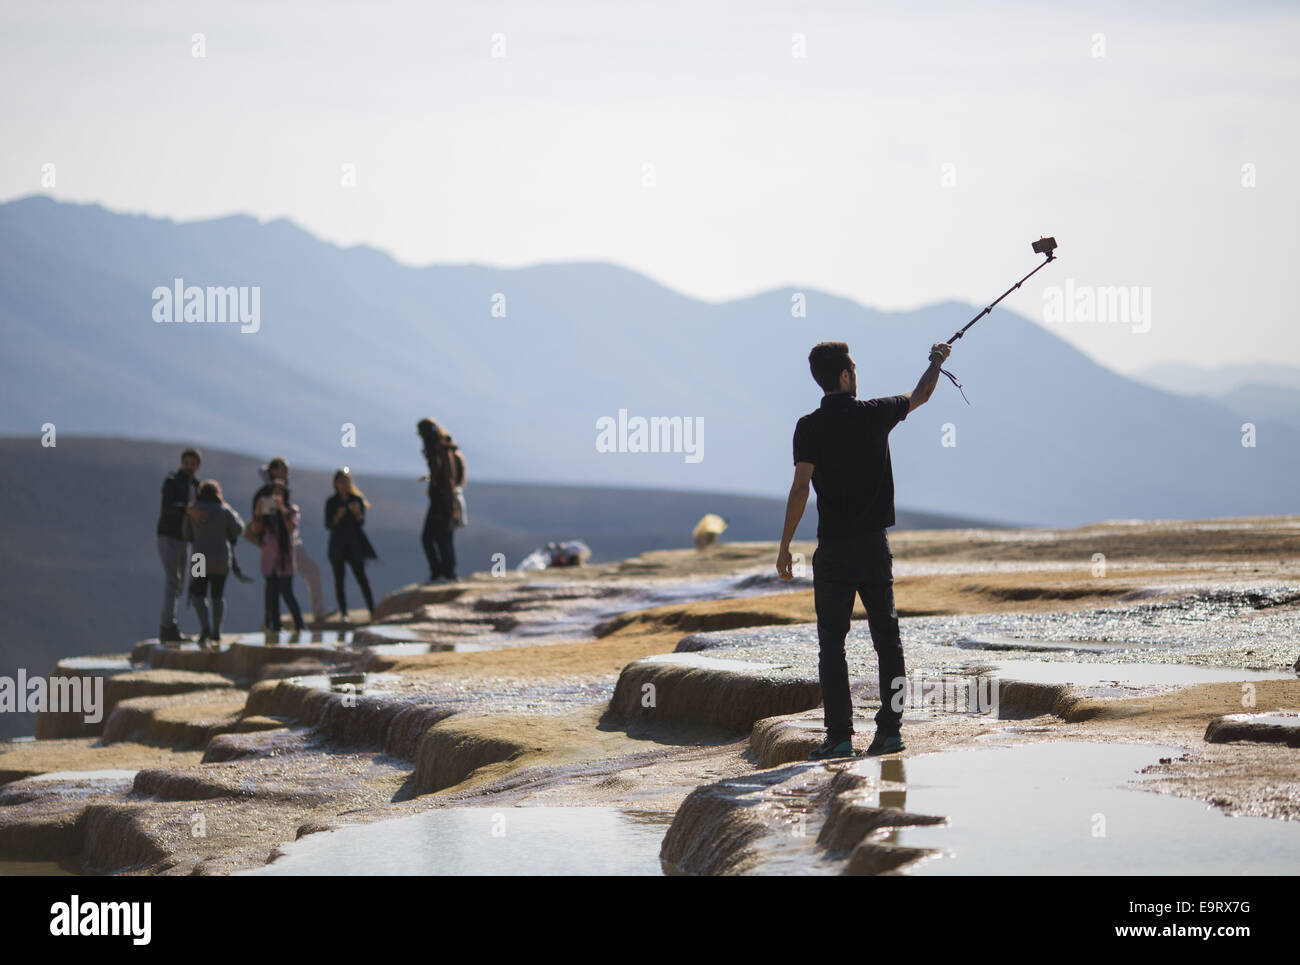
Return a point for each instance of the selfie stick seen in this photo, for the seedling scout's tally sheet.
(1043, 246)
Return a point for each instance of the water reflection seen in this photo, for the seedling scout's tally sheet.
(1063, 808)
(486, 841)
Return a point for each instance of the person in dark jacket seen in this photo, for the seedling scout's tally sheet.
(213, 532)
(178, 494)
(345, 515)
(446, 477)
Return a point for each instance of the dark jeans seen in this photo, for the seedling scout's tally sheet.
(438, 548)
(843, 569)
(199, 588)
(359, 571)
(215, 583)
(276, 587)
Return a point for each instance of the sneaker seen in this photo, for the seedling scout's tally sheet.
(886, 744)
(833, 748)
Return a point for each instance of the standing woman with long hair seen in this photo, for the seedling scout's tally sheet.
(276, 521)
(304, 565)
(446, 512)
(345, 514)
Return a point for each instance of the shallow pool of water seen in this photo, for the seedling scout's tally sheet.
(404, 643)
(1035, 646)
(329, 638)
(1138, 674)
(1279, 718)
(1062, 808)
(705, 662)
(485, 841)
(106, 775)
(372, 684)
(38, 869)
(96, 664)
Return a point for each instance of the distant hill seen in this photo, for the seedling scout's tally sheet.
(1217, 380)
(1256, 401)
(352, 337)
(79, 573)
(1257, 393)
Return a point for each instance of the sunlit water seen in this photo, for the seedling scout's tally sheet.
(1154, 674)
(1062, 808)
(1279, 719)
(486, 841)
(317, 638)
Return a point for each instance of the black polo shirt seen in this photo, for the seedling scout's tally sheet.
(847, 441)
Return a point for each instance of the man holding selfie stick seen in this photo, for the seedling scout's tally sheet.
(843, 450)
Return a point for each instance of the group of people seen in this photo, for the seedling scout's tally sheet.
(198, 532)
(841, 450)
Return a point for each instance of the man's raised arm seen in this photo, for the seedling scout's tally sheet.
(929, 378)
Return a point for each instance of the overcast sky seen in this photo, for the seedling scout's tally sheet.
(894, 155)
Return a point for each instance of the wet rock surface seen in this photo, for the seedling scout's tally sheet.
(673, 698)
(695, 689)
(1279, 727)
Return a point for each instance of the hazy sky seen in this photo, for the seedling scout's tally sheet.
(1121, 128)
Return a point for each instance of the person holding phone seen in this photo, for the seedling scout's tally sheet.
(345, 515)
(277, 521)
(278, 468)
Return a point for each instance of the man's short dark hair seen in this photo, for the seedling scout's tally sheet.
(827, 360)
(198, 456)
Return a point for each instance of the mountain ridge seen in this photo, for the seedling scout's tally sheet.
(350, 336)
